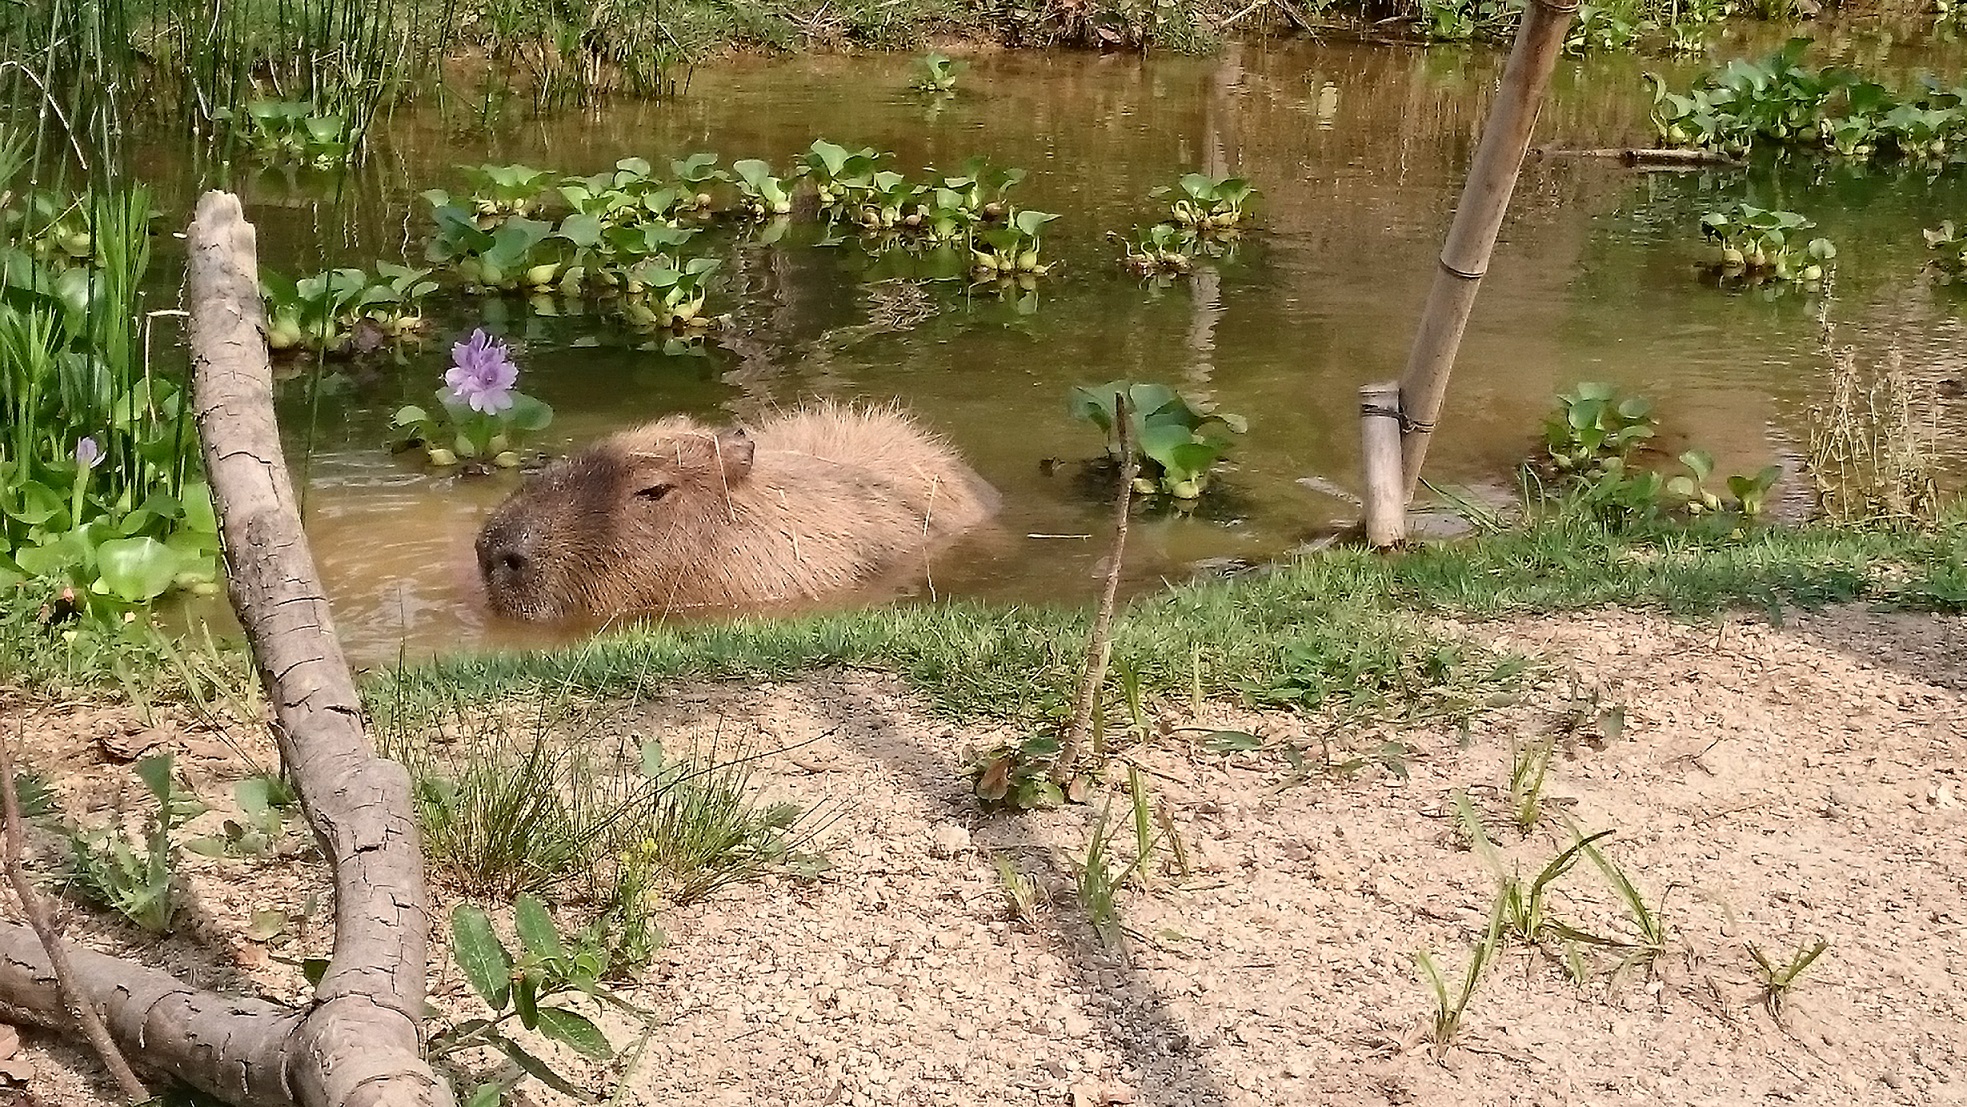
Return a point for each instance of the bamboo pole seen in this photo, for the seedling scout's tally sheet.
(1478, 218)
(1379, 438)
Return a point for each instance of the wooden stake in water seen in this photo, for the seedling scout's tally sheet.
(1478, 218)
(1379, 439)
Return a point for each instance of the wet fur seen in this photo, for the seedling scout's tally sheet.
(813, 502)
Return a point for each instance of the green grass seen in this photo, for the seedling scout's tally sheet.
(1342, 628)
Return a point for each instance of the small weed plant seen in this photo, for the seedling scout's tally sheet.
(1018, 777)
(529, 989)
(1649, 929)
(266, 801)
(1451, 1001)
(1529, 766)
(1779, 976)
(136, 881)
(1098, 877)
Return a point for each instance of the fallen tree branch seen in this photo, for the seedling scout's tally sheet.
(358, 1044)
(1644, 157)
(87, 1019)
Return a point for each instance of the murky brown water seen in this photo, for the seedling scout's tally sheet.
(1359, 151)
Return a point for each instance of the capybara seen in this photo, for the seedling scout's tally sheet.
(675, 515)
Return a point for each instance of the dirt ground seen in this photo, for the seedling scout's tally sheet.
(1767, 785)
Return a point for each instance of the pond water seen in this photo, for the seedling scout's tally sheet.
(1359, 151)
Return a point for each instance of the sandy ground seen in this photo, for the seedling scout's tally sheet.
(1768, 785)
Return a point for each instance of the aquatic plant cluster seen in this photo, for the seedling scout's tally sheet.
(623, 235)
(1765, 244)
(100, 490)
(1592, 443)
(1204, 221)
(344, 310)
(1948, 241)
(1781, 103)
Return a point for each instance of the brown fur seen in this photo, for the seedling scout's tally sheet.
(674, 515)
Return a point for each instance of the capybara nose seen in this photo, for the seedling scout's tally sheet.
(505, 556)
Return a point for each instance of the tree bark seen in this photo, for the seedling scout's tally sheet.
(358, 1044)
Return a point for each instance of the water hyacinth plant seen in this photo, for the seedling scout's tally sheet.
(1177, 445)
(293, 131)
(1762, 242)
(842, 176)
(1594, 427)
(1012, 249)
(1949, 245)
(1209, 205)
(344, 310)
(483, 417)
(763, 195)
(936, 74)
(1783, 103)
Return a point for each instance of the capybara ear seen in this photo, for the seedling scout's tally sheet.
(736, 450)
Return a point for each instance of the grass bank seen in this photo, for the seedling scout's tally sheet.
(1338, 628)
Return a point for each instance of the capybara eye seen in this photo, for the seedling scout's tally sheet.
(654, 492)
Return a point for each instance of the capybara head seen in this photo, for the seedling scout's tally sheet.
(604, 529)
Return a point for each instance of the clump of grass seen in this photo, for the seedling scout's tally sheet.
(1779, 978)
(1451, 1004)
(1529, 764)
(1523, 906)
(1648, 921)
(704, 827)
(1872, 447)
(1021, 890)
(1096, 879)
(543, 803)
(511, 816)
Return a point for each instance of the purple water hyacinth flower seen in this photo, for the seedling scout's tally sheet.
(483, 373)
(87, 453)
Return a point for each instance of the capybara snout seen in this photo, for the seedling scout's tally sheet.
(675, 515)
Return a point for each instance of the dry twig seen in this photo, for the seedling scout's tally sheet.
(1100, 650)
(84, 1012)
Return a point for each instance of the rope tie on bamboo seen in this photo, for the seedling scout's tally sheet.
(1407, 425)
